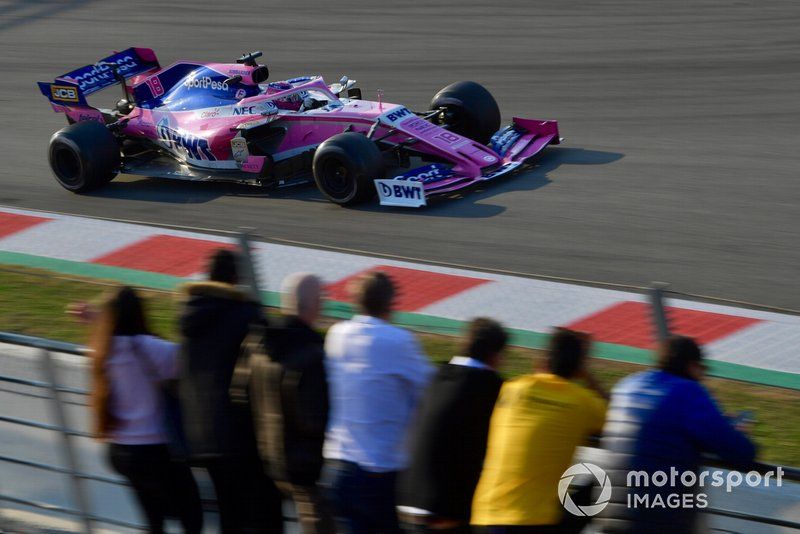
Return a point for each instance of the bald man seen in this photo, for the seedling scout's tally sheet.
(289, 392)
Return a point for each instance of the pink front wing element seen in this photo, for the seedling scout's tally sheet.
(539, 135)
(469, 157)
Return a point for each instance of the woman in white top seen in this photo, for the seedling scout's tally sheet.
(128, 366)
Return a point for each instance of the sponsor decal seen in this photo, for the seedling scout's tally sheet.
(489, 158)
(205, 82)
(88, 117)
(64, 93)
(245, 110)
(261, 108)
(210, 113)
(427, 174)
(401, 191)
(419, 126)
(254, 164)
(240, 72)
(194, 147)
(101, 74)
(300, 79)
(258, 122)
(239, 150)
(398, 115)
(240, 93)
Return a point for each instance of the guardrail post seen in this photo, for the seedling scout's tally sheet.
(659, 315)
(248, 266)
(81, 498)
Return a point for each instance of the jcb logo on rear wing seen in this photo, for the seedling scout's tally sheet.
(64, 93)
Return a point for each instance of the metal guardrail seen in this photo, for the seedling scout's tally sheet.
(77, 476)
(64, 431)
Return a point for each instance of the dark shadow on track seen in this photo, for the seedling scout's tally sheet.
(165, 190)
(466, 205)
(469, 203)
(35, 10)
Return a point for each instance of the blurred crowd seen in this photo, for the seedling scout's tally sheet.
(362, 433)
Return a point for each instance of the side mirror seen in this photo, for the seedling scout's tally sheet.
(232, 80)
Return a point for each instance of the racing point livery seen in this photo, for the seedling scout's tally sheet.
(215, 121)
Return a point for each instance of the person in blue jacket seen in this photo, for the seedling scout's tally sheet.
(663, 420)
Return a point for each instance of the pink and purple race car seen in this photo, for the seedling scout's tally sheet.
(215, 121)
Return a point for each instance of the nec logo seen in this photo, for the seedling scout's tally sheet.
(398, 114)
(64, 93)
(245, 110)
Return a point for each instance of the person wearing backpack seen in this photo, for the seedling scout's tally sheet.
(128, 368)
(289, 398)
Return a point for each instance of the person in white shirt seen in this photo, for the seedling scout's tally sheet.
(376, 374)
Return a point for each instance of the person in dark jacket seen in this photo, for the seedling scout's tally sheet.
(659, 420)
(289, 395)
(449, 439)
(215, 320)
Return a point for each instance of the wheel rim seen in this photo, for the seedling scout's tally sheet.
(67, 165)
(455, 117)
(336, 179)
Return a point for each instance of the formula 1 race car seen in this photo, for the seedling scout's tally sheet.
(213, 121)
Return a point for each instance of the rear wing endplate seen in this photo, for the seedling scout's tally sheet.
(72, 88)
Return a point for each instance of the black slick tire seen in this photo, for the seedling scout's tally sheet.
(84, 156)
(345, 166)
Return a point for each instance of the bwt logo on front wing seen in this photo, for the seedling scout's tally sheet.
(401, 191)
(64, 93)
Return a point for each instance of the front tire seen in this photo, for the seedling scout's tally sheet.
(470, 110)
(345, 166)
(84, 156)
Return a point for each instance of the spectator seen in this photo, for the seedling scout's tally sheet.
(289, 392)
(216, 318)
(128, 366)
(662, 419)
(449, 439)
(537, 423)
(376, 374)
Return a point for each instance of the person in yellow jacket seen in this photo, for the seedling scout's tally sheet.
(536, 425)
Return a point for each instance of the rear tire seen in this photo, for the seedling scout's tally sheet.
(84, 156)
(345, 166)
(470, 110)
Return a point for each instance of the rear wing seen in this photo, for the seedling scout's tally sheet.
(72, 88)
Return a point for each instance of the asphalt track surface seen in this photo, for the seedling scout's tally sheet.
(681, 162)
